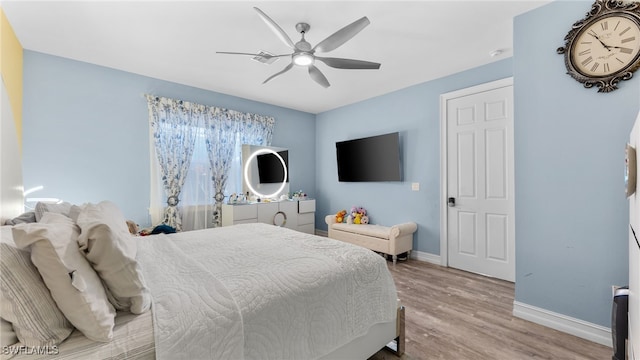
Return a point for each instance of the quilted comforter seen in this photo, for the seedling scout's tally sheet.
(256, 291)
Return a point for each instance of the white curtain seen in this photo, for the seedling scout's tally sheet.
(226, 131)
(174, 124)
(215, 162)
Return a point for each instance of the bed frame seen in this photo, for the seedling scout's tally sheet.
(374, 340)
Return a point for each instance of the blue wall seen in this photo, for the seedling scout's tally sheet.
(86, 132)
(415, 113)
(571, 213)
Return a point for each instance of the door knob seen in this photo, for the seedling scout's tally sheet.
(452, 202)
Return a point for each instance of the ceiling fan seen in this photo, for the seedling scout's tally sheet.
(304, 55)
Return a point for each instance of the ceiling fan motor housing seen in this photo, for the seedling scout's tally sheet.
(302, 27)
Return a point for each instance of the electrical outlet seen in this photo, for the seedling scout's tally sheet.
(415, 186)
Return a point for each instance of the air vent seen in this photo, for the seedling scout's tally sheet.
(265, 59)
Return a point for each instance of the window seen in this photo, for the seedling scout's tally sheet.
(195, 150)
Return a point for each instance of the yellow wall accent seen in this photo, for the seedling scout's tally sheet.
(11, 54)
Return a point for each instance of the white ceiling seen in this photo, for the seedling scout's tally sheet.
(415, 41)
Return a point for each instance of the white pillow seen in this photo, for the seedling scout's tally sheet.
(25, 300)
(111, 250)
(42, 207)
(74, 285)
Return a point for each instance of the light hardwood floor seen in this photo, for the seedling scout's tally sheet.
(453, 314)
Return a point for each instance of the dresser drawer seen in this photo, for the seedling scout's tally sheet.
(306, 206)
(309, 229)
(245, 212)
(305, 219)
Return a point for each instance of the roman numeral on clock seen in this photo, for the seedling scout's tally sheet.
(625, 30)
(595, 66)
(586, 61)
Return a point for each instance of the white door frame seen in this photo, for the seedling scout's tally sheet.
(444, 191)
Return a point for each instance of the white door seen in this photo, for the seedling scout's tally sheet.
(479, 185)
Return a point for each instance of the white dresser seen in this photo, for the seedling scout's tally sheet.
(293, 214)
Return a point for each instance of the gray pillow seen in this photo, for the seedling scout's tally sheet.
(74, 285)
(25, 299)
(61, 208)
(111, 250)
(28, 217)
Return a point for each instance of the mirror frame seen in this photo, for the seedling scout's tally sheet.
(249, 153)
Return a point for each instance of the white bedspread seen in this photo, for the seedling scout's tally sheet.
(256, 291)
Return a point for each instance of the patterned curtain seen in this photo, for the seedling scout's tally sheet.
(256, 130)
(174, 124)
(221, 128)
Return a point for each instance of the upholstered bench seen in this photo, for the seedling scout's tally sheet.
(392, 240)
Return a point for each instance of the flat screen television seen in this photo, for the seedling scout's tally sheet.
(375, 158)
(270, 169)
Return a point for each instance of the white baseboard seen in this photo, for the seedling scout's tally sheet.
(580, 328)
(425, 256)
(415, 254)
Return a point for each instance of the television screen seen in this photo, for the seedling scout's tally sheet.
(375, 158)
(270, 168)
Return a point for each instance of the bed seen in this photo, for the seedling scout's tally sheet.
(250, 291)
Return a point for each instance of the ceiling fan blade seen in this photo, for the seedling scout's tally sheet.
(318, 77)
(339, 63)
(287, 68)
(267, 56)
(342, 36)
(263, 55)
(276, 29)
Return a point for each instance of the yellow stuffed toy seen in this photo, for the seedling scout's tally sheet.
(357, 219)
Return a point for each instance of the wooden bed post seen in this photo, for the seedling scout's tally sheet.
(398, 349)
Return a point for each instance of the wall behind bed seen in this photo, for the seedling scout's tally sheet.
(86, 132)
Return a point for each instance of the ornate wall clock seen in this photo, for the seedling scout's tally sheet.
(604, 47)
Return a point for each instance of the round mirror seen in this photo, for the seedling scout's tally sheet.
(265, 172)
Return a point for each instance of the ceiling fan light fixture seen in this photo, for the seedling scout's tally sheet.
(303, 59)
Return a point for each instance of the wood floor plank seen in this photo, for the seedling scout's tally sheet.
(453, 314)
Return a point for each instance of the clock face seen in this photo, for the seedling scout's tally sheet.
(606, 46)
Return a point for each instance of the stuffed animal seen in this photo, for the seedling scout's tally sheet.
(340, 216)
(133, 227)
(357, 214)
(357, 219)
(352, 215)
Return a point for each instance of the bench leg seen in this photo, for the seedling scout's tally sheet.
(395, 259)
